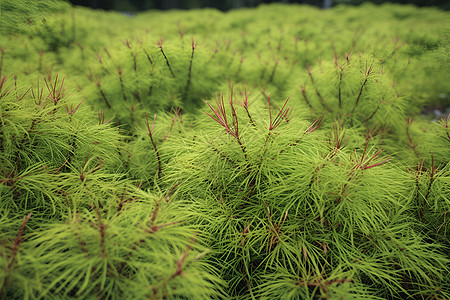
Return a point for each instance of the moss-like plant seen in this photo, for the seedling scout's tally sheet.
(278, 152)
(62, 169)
(281, 198)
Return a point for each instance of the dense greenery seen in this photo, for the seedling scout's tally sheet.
(278, 152)
(225, 5)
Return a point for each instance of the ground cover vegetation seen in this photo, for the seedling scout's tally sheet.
(277, 152)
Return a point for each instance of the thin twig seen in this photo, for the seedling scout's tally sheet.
(150, 134)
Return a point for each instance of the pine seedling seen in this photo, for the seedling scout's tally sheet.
(238, 225)
(43, 138)
(144, 251)
(357, 91)
(416, 139)
(221, 118)
(147, 153)
(181, 85)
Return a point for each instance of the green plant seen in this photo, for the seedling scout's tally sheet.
(274, 152)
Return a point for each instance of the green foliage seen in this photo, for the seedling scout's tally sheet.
(17, 16)
(280, 152)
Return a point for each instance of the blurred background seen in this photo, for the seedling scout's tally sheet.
(224, 5)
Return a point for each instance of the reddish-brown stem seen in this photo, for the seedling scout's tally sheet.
(151, 63)
(19, 99)
(101, 118)
(107, 52)
(130, 253)
(244, 233)
(160, 45)
(371, 131)
(65, 194)
(11, 181)
(172, 123)
(15, 85)
(122, 201)
(359, 94)
(316, 124)
(178, 271)
(180, 262)
(180, 31)
(102, 229)
(275, 229)
(341, 73)
(17, 241)
(245, 105)
(120, 72)
(148, 57)
(37, 96)
(282, 114)
(339, 136)
(362, 164)
(263, 72)
(339, 89)
(171, 191)
(393, 51)
(14, 251)
(364, 152)
(80, 241)
(97, 167)
(305, 97)
(150, 134)
(102, 93)
(155, 228)
(82, 175)
(444, 123)
(221, 118)
(368, 70)
(419, 172)
(324, 284)
(54, 94)
(194, 45)
(322, 100)
(377, 164)
(152, 228)
(2, 82)
(59, 169)
(273, 71)
(84, 166)
(72, 110)
(374, 112)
